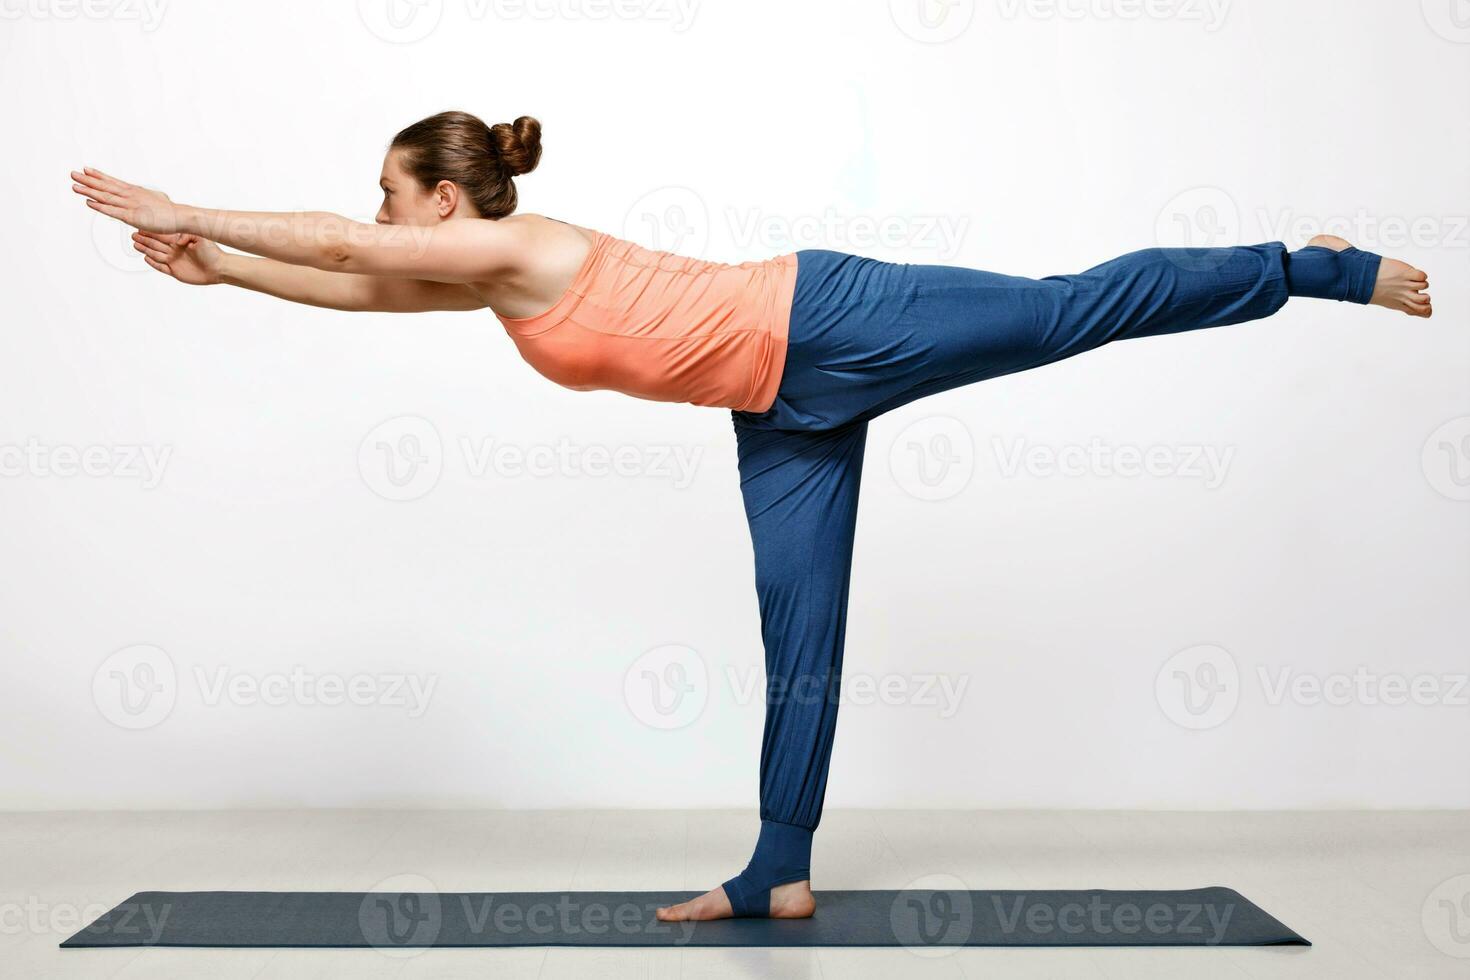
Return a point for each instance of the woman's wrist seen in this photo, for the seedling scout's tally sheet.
(190, 220)
(231, 269)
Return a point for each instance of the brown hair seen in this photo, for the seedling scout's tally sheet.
(460, 148)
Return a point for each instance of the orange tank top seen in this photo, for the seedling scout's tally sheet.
(665, 327)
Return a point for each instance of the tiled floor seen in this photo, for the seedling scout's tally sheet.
(1376, 892)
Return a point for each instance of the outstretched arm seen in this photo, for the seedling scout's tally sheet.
(452, 252)
(196, 261)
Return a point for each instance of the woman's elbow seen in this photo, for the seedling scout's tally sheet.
(338, 243)
(336, 256)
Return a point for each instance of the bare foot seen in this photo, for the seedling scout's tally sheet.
(1331, 241)
(790, 901)
(1400, 286)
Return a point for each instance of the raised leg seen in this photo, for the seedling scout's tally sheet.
(869, 336)
(1031, 323)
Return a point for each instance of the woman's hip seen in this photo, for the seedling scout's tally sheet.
(866, 335)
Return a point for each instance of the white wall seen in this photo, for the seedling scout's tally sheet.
(1328, 539)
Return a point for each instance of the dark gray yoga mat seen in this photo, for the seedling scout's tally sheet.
(916, 917)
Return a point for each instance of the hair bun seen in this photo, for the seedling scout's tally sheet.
(517, 145)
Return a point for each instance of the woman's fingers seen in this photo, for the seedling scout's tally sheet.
(157, 265)
(162, 255)
(96, 183)
(99, 175)
(134, 205)
(92, 202)
(103, 197)
(166, 242)
(107, 209)
(107, 191)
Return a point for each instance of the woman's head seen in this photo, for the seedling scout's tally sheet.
(453, 165)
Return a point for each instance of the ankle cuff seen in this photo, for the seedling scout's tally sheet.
(783, 853)
(1319, 272)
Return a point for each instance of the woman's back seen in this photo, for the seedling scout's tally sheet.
(662, 326)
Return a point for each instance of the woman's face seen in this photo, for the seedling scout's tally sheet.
(405, 202)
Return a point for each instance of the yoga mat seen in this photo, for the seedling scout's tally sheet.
(912, 918)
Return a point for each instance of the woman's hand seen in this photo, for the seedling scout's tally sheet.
(140, 207)
(188, 258)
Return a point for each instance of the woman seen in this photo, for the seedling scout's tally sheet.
(803, 349)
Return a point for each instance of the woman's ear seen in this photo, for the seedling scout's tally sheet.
(446, 198)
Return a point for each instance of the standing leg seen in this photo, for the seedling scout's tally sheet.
(801, 496)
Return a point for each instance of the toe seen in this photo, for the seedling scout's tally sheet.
(695, 910)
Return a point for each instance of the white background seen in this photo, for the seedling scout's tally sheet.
(1332, 545)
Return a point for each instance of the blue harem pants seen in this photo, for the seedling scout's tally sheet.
(867, 336)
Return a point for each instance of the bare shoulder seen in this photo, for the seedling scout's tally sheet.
(544, 256)
(547, 235)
